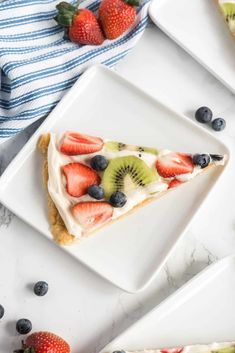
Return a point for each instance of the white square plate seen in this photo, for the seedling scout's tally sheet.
(130, 251)
(199, 28)
(200, 312)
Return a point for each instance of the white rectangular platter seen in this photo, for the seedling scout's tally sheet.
(131, 251)
(201, 312)
(199, 28)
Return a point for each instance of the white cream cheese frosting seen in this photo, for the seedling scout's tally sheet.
(203, 348)
(64, 202)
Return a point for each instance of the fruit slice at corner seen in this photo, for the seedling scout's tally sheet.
(127, 173)
(228, 10)
(226, 350)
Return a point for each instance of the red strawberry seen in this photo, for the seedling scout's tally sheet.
(44, 342)
(172, 164)
(117, 16)
(79, 177)
(75, 143)
(91, 214)
(173, 183)
(81, 25)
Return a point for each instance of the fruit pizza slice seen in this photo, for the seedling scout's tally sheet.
(225, 347)
(92, 181)
(227, 8)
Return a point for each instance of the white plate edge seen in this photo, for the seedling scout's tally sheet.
(187, 287)
(10, 170)
(158, 23)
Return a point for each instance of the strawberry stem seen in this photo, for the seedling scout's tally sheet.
(66, 13)
(25, 349)
(132, 2)
(65, 6)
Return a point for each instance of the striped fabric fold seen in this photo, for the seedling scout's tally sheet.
(38, 66)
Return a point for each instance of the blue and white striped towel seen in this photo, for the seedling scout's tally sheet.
(38, 66)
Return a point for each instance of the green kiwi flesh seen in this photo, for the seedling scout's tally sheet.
(127, 173)
(228, 10)
(114, 146)
(225, 350)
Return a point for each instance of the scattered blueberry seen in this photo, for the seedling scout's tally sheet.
(2, 311)
(99, 163)
(218, 124)
(118, 199)
(216, 157)
(40, 288)
(95, 191)
(203, 115)
(23, 326)
(201, 159)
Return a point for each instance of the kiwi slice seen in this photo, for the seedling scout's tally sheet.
(114, 146)
(228, 9)
(225, 350)
(127, 173)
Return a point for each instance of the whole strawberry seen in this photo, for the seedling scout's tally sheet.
(44, 342)
(117, 16)
(81, 24)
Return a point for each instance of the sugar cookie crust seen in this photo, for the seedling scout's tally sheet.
(57, 226)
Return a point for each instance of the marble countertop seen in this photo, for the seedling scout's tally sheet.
(82, 307)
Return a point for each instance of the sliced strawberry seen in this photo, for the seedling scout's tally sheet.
(91, 214)
(79, 177)
(172, 164)
(173, 183)
(75, 143)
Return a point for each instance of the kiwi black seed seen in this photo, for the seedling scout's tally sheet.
(119, 146)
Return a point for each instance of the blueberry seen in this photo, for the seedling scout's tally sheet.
(201, 159)
(40, 288)
(99, 163)
(96, 192)
(118, 199)
(203, 115)
(216, 157)
(23, 326)
(218, 124)
(2, 311)
(122, 351)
